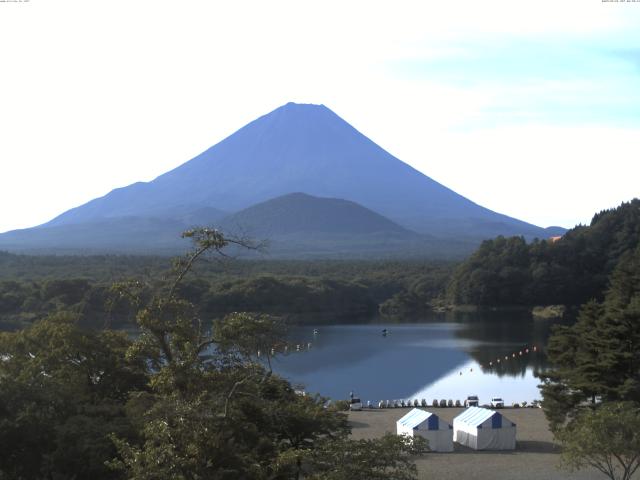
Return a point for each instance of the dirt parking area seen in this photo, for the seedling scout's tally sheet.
(536, 455)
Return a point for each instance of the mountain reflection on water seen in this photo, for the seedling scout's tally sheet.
(442, 356)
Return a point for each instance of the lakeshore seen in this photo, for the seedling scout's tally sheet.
(536, 455)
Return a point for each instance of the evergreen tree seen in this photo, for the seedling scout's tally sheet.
(571, 271)
(599, 356)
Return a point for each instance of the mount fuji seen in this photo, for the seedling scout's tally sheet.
(297, 148)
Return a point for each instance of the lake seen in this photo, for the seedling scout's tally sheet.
(441, 356)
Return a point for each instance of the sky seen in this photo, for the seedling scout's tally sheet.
(531, 109)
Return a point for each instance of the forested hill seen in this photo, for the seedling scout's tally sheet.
(569, 271)
(298, 213)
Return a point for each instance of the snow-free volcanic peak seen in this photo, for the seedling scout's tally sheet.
(301, 148)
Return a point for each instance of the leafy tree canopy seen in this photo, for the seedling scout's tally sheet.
(607, 439)
(570, 271)
(178, 400)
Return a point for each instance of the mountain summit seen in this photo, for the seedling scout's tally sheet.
(299, 148)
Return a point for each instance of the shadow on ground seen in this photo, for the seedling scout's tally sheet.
(537, 446)
(353, 424)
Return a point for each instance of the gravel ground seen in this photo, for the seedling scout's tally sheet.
(536, 456)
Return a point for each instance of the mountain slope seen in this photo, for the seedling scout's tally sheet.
(305, 148)
(302, 214)
(138, 235)
(295, 148)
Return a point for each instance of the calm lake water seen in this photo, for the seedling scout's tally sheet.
(437, 357)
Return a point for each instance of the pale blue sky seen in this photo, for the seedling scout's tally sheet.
(529, 108)
(555, 79)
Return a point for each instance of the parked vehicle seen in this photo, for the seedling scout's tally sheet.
(356, 404)
(471, 401)
(497, 402)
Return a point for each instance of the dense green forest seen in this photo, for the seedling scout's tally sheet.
(600, 353)
(31, 287)
(97, 403)
(592, 391)
(109, 268)
(502, 272)
(570, 271)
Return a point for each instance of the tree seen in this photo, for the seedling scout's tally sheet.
(183, 399)
(62, 392)
(386, 458)
(508, 271)
(215, 411)
(606, 438)
(250, 335)
(577, 375)
(599, 356)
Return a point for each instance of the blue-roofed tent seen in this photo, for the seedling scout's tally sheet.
(438, 433)
(483, 429)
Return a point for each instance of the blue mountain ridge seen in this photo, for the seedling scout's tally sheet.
(295, 148)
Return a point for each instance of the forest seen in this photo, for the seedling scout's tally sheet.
(33, 287)
(163, 404)
(569, 271)
(502, 272)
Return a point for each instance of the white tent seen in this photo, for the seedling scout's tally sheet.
(483, 429)
(428, 425)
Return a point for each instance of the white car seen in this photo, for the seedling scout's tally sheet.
(471, 401)
(497, 402)
(356, 404)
